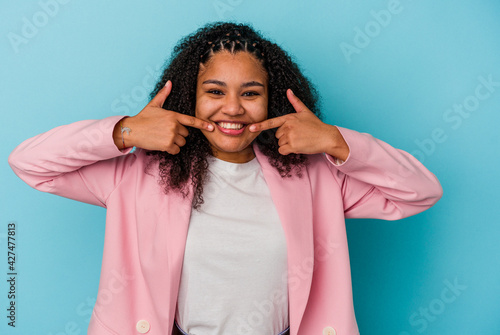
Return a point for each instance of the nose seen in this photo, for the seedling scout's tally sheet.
(232, 105)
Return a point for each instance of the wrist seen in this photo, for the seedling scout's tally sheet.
(121, 133)
(336, 145)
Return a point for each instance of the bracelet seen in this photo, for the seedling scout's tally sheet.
(124, 129)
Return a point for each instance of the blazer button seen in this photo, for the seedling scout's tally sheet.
(329, 331)
(142, 326)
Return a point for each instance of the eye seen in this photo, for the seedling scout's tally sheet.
(216, 92)
(249, 94)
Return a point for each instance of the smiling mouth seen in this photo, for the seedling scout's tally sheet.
(231, 125)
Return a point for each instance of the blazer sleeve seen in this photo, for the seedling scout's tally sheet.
(79, 161)
(381, 182)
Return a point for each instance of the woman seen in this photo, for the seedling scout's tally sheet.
(229, 216)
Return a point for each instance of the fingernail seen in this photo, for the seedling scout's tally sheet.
(292, 92)
(210, 127)
(252, 128)
(167, 83)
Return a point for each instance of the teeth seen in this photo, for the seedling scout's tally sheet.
(230, 125)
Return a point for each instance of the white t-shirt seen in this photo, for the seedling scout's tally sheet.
(234, 275)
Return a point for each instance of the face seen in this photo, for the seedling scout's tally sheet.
(232, 93)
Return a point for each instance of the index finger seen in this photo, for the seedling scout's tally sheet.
(161, 96)
(191, 121)
(268, 124)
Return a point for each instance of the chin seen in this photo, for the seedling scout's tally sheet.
(228, 150)
(231, 148)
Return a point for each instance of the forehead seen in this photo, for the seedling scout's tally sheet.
(236, 66)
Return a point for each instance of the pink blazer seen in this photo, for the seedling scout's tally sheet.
(146, 229)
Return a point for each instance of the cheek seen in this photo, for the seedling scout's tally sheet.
(204, 107)
(262, 112)
(257, 110)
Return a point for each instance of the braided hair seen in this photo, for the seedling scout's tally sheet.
(191, 163)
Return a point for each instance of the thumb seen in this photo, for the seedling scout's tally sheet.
(162, 95)
(297, 104)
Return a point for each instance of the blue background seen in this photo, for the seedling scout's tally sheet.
(399, 83)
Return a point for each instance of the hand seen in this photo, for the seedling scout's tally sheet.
(303, 132)
(155, 128)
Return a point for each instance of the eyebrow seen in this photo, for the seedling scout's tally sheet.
(221, 83)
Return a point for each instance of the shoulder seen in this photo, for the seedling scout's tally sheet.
(318, 162)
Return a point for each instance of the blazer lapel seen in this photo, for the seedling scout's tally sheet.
(293, 200)
(163, 256)
(179, 213)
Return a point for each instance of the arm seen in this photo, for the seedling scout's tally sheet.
(78, 161)
(376, 180)
(379, 181)
(82, 161)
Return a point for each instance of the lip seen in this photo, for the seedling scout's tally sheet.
(232, 132)
(231, 121)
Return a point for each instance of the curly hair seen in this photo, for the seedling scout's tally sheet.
(191, 163)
